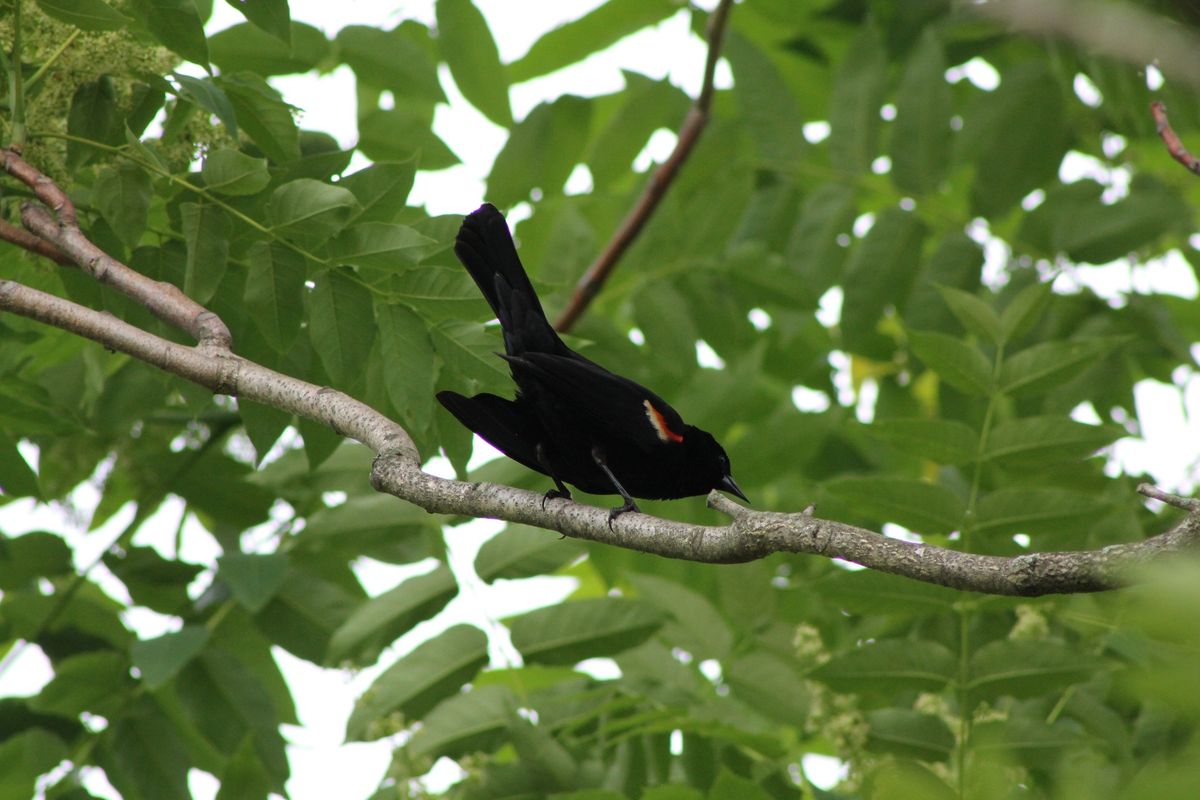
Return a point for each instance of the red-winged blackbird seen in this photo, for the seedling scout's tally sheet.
(572, 419)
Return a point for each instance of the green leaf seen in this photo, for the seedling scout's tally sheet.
(770, 685)
(381, 189)
(812, 246)
(263, 115)
(1040, 368)
(158, 583)
(253, 578)
(93, 116)
(206, 229)
(244, 777)
(925, 507)
(1022, 668)
(374, 525)
(263, 424)
(341, 325)
(1098, 233)
(230, 172)
(122, 196)
(379, 245)
(470, 351)
(591, 33)
(956, 362)
(729, 786)
(226, 702)
(921, 137)
(645, 106)
(96, 682)
(271, 16)
(143, 754)
(1024, 310)
(247, 47)
(24, 757)
(275, 292)
(383, 619)
(890, 666)
(974, 314)
(944, 441)
(87, 15)
(997, 135)
(410, 372)
(700, 628)
(176, 24)
(470, 52)
(417, 682)
(310, 211)
(858, 85)
(403, 134)
(37, 554)
(1005, 512)
(1047, 440)
(393, 60)
(305, 612)
(541, 151)
(205, 93)
(466, 723)
(879, 273)
(772, 115)
(572, 632)
(909, 734)
(520, 551)
(17, 479)
(878, 593)
(160, 659)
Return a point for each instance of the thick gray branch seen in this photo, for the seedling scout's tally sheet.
(750, 535)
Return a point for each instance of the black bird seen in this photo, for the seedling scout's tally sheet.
(572, 419)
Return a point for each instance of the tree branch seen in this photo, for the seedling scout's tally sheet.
(1171, 139)
(165, 300)
(693, 125)
(397, 469)
(1120, 30)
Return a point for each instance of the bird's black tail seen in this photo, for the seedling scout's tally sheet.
(485, 247)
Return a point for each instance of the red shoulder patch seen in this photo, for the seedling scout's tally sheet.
(660, 425)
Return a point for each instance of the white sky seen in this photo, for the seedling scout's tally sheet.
(322, 767)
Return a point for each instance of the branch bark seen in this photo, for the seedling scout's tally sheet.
(1171, 139)
(627, 232)
(397, 469)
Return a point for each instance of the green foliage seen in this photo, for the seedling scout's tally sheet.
(726, 677)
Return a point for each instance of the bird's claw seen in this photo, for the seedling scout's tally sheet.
(619, 510)
(555, 494)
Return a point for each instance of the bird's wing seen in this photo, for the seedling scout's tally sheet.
(620, 407)
(499, 422)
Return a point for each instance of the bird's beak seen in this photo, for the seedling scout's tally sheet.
(730, 485)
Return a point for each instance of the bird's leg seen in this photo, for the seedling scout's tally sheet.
(560, 491)
(630, 505)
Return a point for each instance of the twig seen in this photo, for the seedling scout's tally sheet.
(1171, 139)
(1189, 504)
(165, 300)
(693, 125)
(24, 239)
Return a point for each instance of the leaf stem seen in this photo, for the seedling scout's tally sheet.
(17, 83)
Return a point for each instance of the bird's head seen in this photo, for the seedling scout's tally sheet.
(706, 464)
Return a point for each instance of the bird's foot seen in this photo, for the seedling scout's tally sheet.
(629, 505)
(555, 494)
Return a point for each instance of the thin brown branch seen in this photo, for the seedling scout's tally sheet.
(27, 241)
(627, 232)
(1189, 504)
(61, 230)
(1171, 139)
